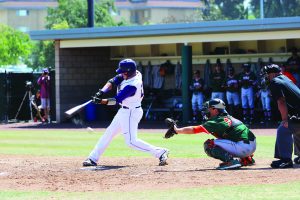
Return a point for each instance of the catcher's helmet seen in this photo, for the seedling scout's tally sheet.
(215, 103)
(126, 65)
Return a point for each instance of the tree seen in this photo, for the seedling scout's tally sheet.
(70, 14)
(276, 8)
(15, 46)
(74, 12)
(215, 10)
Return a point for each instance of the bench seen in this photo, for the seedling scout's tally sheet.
(170, 108)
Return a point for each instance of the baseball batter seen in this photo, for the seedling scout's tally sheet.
(129, 96)
(234, 139)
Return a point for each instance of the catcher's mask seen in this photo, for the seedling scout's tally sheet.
(126, 66)
(214, 103)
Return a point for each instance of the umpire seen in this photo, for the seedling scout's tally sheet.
(287, 96)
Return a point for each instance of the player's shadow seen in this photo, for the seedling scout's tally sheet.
(101, 168)
(214, 169)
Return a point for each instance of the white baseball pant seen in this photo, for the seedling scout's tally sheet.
(125, 121)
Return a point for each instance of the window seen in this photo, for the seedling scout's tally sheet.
(23, 29)
(22, 13)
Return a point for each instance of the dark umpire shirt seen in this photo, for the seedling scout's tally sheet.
(281, 86)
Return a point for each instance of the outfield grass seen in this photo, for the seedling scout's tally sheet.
(80, 143)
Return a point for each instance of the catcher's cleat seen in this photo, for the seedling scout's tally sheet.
(88, 162)
(247, 161)
(163, 158)
(233, 164)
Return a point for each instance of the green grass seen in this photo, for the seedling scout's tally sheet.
(288, 191)
(80, 143)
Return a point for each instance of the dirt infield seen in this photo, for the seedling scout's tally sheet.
(36, 173)
(28, 173)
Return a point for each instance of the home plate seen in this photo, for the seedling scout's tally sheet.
(100, 168)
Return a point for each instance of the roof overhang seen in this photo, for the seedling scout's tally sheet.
(271, 28)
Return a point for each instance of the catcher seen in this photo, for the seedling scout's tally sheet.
(234, 139)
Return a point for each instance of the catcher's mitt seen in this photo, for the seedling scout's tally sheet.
(170, 123)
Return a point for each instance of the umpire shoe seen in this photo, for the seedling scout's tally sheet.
(163, 158)
(88, 162)
(282, 164)
(297, 160)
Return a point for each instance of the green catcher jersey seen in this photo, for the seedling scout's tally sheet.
(227, 127)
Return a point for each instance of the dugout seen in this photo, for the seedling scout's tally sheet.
(85, 58)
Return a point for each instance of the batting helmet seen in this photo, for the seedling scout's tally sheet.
(126, 65)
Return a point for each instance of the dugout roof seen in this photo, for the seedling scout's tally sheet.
(206, 31)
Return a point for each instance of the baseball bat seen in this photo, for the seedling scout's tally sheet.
(76, 109)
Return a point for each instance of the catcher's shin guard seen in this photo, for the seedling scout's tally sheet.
(216, 152)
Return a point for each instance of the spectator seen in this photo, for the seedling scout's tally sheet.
(232, 93)
(217, 83)
(36, 103)
(287, 96)
(44, 82)
(247, 81)
(197, 98)
(293, 64)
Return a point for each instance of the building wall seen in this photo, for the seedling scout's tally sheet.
(3, 16)
(35, 20)
(155, 15)
(81, 73)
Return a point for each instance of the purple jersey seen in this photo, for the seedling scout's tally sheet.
(44, 82)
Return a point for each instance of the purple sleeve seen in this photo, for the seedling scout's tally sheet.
(39, 80)
(128, 91)
(117, 79)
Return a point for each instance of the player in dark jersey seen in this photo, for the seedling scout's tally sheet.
(234, 139)
(265, 98)
(232, 93)
(247, 82)
(287, 96)
(217, 83)
(197, 98)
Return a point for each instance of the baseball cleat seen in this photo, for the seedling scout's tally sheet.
(163, 158)
(297, 160)
(282, 164)
(233, 164)
(88, 162)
